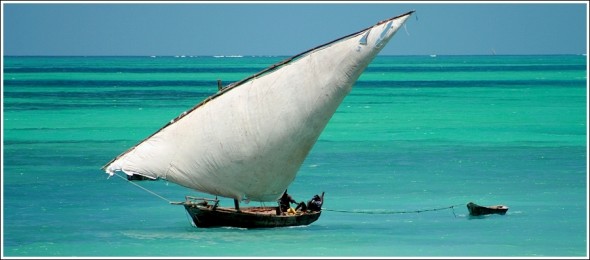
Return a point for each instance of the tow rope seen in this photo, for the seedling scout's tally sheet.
(325, 209)
(393, 211)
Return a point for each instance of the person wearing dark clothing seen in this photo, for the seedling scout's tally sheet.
(285, 202)
(315, 204)
(301, 206)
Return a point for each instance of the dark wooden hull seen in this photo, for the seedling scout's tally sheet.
(477, 210)
(247, 217)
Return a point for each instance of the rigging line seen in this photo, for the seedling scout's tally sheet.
(393, 212)
(153, 193)
(406, 29)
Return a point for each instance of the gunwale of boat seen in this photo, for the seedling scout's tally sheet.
(243, 210)
(261, 211)
(496, 207)
(253, 210)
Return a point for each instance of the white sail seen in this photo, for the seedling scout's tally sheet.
(249, 140)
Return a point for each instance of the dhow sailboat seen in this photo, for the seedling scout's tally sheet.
(247, 141)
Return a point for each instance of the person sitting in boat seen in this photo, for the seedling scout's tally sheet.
(301, 206)
(285, 202)
(315, 204)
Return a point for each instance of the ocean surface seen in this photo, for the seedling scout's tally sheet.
(416, 140)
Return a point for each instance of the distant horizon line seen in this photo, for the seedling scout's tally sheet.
(242, 56)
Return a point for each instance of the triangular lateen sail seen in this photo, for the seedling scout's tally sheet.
(249, 140)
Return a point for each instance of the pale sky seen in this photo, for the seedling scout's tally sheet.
(288, 28)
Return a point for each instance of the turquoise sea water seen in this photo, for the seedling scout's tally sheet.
(416, 133)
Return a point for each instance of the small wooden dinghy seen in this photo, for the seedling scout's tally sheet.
(477, 210)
